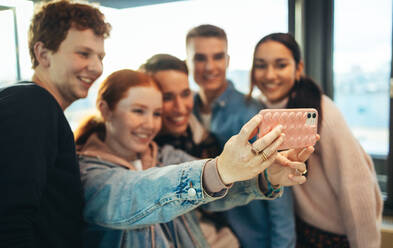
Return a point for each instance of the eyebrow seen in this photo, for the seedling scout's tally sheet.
(141, 105)
(199, 54)
(89, 50)
(214, 54)
(276, 60)
(138, 105)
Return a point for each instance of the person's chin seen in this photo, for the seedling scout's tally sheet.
(212, 86)
(275, 98)
(175, 129)
(140, 148)
(83, 94)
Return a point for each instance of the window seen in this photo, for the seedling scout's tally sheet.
(362, 59)
(15, 16)
(8, 67)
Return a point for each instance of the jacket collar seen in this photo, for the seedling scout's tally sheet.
(95, 147)
(221, 101)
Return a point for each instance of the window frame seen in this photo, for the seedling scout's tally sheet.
(315, 26)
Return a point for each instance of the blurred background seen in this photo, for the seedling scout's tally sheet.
(347, 47)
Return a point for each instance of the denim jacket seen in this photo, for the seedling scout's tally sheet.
(261, 223)
(124, 207)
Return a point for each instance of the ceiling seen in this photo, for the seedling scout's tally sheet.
(123, 4)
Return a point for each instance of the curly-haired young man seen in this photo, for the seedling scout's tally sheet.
(42, 200)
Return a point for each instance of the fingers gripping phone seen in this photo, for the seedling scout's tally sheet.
(299, 126)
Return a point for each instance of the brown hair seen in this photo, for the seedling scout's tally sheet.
(305, 93)
(164, 62)
(112, 90)
(207, 31)
(51, 23)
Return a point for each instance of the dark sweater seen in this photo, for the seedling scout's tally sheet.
(41, 196)
(208, 148)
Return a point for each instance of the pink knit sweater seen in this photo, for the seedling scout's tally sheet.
(341, 194)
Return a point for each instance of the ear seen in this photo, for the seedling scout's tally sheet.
(42, 54)
(188, 61)
(299, 70)
(103, 107)
(228, 58)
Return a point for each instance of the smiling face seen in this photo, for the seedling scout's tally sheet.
(207, 61)
(134, 122)
(178, 101)
(74, 67)
(275, 70)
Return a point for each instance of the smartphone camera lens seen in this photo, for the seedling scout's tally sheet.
(308, 115)
(314, 115)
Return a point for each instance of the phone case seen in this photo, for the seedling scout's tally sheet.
(299, 126)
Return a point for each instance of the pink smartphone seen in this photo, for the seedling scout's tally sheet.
(299, 126)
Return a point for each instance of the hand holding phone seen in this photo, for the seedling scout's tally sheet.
(299, 126)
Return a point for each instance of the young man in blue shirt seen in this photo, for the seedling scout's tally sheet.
(223, 110)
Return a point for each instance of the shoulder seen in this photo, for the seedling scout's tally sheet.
(334, 128)
(27, 95)
(27, 90)
(28, 107)
(235, 98)
(168, 154)
(89, 165)
(331, 114)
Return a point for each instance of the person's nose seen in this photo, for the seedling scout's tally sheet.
(148, 122)
(95, 65)
(179, 105)
(209, 64)
(270, 73)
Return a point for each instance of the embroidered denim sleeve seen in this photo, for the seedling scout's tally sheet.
(124, 199)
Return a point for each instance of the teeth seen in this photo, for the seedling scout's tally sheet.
(271, 86)
(178, 119)
(86, 80)
(209, 77)
(143, 136)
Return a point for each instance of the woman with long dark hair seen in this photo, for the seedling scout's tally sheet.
(340, 205)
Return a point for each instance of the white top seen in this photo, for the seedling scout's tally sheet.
(137, 164)
(206, 120)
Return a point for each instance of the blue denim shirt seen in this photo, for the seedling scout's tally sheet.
(124, 207)
(230, 112)
(261, 223)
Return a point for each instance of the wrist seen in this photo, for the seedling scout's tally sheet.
(271, 189)
(271, 180)
(225, 180)
(211, 180)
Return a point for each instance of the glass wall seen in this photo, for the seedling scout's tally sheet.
(362, 59)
